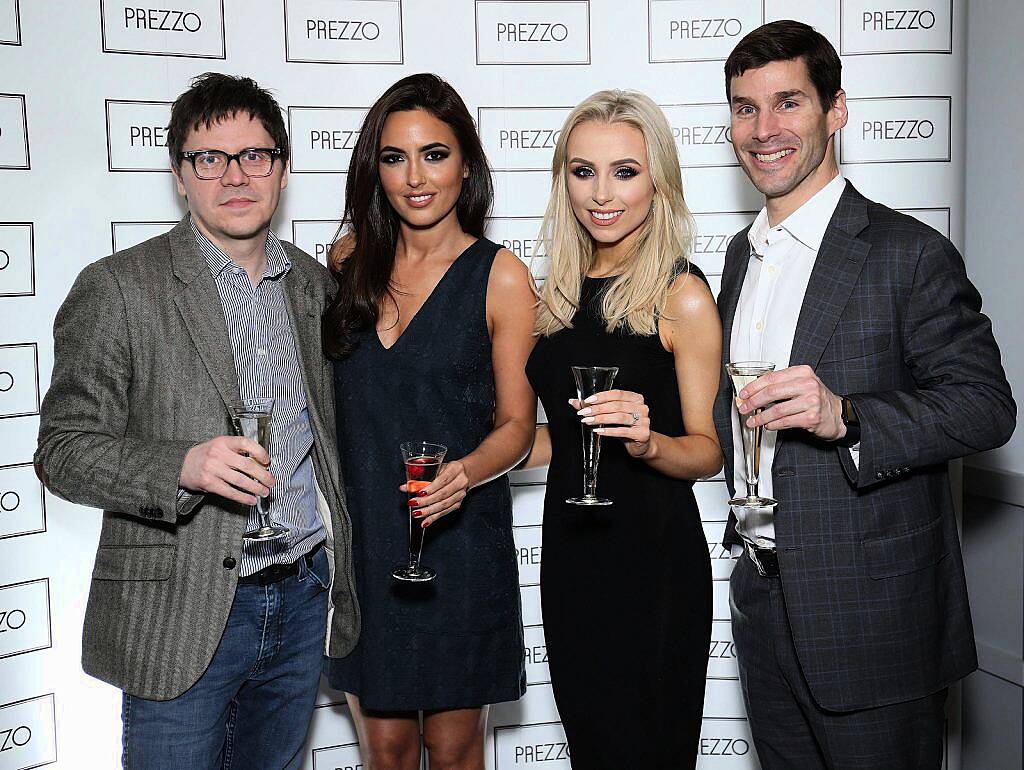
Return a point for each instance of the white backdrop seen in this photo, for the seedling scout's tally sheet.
(85, 87)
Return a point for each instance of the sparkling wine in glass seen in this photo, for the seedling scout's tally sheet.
(591, 380)
(422, 462)
(251, 419)
(742, 373)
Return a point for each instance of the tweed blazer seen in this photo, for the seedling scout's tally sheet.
(869, 555)
(143, 371)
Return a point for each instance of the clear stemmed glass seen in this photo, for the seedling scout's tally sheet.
(742, 373)
(422, 462)
(591, 380)
(251, 419)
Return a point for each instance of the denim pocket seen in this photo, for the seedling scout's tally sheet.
(319, 572)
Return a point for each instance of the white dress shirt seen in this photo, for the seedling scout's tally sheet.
(779, 267)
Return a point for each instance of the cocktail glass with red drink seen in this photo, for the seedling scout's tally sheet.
(422, 462)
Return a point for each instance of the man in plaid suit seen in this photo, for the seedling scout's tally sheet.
(849, 604)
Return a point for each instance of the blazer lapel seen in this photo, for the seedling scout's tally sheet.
(837, 268)
(305, 321)
(201, 309)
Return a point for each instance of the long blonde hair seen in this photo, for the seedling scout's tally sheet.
(636, 298)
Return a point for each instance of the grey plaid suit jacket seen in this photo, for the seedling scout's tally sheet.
(143, 371)
(869, 557)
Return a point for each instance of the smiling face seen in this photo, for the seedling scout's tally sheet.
(609, 182)
(421, 167)
(235, 208)
(780, 134)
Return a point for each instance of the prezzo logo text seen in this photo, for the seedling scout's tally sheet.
(27, 735)
(193, 28)
(323, 138)
(533, 31)
(137, 135)
(529, 553)
(14, 152)
(24, 617)
(872, 26)
(543, 745)
(698, 30)
(520, 138)
(22, 505)
(19, 380)
(162, 20)
(702, 133)
(315, 236)
(17, 260)
(897, 129)
(344, 31)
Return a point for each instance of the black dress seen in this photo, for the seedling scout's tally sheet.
(456, 642)
(625, 588)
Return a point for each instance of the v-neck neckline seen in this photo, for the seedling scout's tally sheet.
(408, 326)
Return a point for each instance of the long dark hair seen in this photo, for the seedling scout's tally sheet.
(364, 275)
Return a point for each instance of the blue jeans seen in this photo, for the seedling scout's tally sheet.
(251, 708)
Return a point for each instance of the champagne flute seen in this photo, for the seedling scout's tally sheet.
(742, 373)
(591, 380)
(251, 419)
(422, 462)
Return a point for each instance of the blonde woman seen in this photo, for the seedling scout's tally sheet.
(626, 588)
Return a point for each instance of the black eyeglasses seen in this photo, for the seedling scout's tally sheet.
(213, 164)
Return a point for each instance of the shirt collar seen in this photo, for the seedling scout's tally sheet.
(807, 224)
(277, 260)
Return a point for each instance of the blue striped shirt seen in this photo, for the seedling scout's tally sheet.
(267, 365)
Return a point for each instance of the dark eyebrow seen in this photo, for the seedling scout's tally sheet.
(424, 148)
(777, 96)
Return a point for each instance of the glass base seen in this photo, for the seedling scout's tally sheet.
(266, 534)
(753, 501)
(410, 574)
(588, 500)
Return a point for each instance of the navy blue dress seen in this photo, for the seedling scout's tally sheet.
(456, 642)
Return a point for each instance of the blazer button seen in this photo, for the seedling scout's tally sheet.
(229, 562)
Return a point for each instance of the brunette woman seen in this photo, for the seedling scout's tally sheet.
(430, 331)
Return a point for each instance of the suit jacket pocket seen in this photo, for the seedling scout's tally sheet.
(133, 562)
(904, 553)
(847, 345)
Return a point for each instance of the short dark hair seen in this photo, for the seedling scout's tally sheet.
(364, 277)
(214, 97)
(785, 40)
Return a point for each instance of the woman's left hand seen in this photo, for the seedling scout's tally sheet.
(621, 414)
(443, 495)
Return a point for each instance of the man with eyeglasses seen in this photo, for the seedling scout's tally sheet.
(215, 640)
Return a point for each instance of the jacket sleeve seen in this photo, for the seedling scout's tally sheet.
(960, 403)
(84, 452)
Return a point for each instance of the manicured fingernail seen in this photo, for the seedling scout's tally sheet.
(599, 430)
(587, 420)
(584, 410)
(743, 394)
(590, 400)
